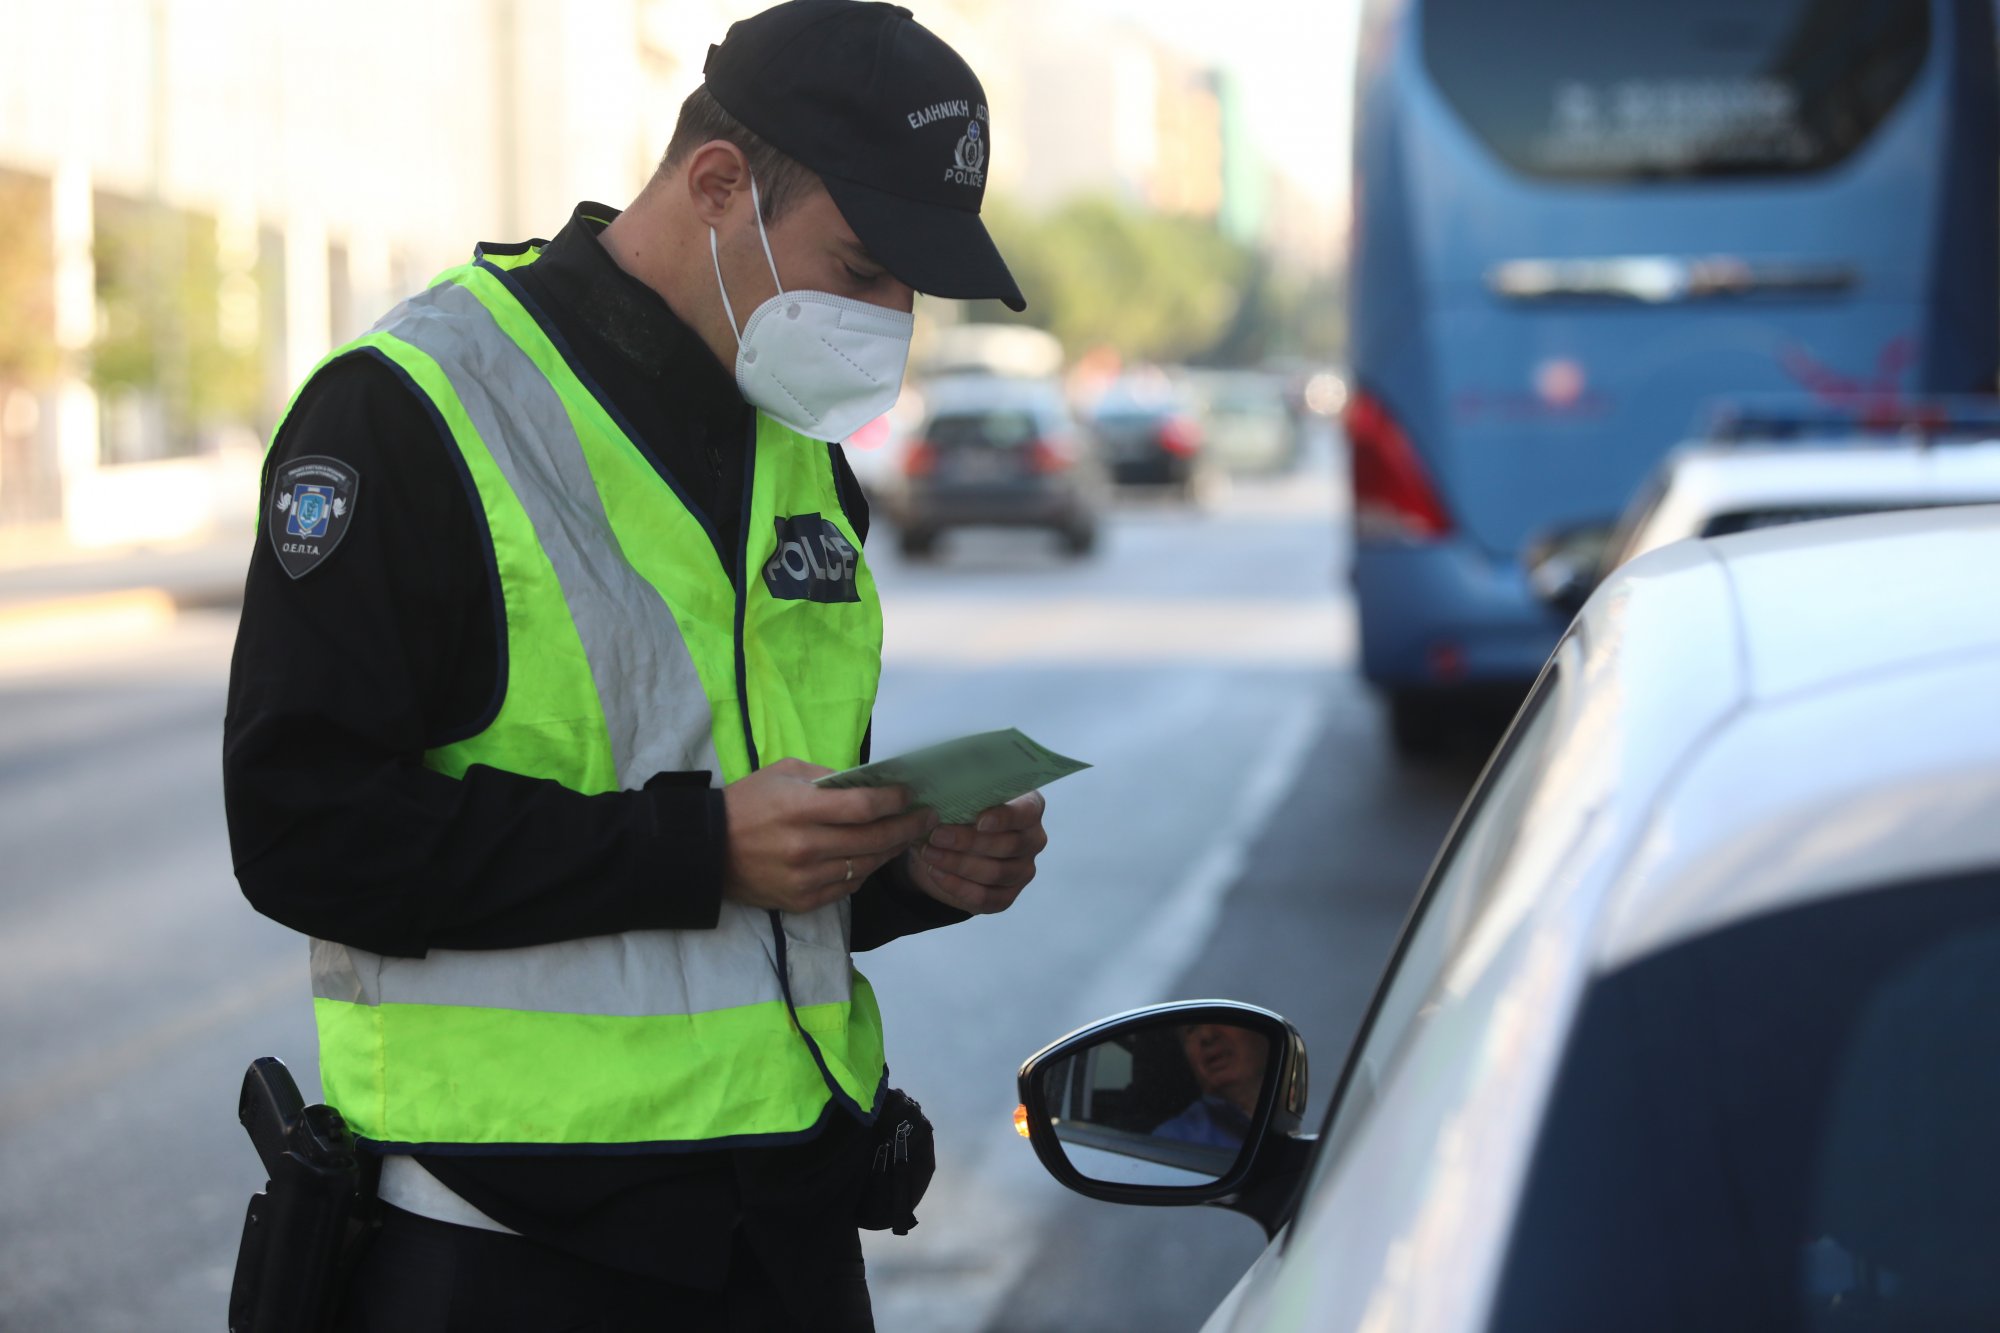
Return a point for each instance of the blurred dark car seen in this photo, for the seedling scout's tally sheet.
(1149, 438)
(996, 452)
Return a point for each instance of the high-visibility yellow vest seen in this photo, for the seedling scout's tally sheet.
(629, 650)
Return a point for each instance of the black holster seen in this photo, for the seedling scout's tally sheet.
(303, 1233)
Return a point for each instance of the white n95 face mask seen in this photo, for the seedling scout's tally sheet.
(825, 365)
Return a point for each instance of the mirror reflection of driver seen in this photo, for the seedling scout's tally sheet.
(1228, 1065)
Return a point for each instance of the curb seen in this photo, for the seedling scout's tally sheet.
(39, 626)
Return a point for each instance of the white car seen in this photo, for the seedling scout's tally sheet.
(1696, 1022)
(1763, 466)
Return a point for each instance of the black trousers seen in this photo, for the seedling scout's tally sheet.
(425, 1276)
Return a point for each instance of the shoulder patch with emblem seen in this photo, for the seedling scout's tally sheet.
(312, 502)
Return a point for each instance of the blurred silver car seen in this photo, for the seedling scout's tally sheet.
(994, 452)
(1768, 464)
(1246, 421)
(1691, 1026)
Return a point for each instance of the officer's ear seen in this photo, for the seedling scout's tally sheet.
(717, 176)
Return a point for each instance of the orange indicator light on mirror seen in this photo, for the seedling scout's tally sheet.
(1021, 1121)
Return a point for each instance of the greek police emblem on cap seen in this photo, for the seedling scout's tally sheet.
(312, 502)
(971, 152)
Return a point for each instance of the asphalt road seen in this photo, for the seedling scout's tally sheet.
(1244, 833)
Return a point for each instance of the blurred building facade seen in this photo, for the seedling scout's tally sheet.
(1090, 104)
(1108, 109)
(203, 196)
(198, 198)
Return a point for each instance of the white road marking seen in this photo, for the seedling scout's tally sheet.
(44, 632)
(1235, 633)
(981, 1220)
(69, 1084)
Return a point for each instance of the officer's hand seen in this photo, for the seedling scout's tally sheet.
(983, 867)
(795, 847)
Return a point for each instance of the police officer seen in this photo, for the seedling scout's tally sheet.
(558, 606)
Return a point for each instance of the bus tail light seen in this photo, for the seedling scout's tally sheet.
(1393, 495)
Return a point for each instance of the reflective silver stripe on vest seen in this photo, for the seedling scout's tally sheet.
(657, 713)
(631, 975)
(653, 700)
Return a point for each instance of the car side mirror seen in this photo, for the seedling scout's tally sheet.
(1566, 564)
(1193, 1102)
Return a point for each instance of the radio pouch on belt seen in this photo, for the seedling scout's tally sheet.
(302, 1233)
(904, 1159)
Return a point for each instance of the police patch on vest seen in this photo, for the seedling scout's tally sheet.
(312, 502)
(813, 562)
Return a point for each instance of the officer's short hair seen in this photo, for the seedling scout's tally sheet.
(782, 180)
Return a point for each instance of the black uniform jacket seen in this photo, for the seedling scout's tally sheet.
(389, 646)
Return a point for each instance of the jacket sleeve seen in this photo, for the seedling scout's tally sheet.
(889, 907)
(344, 676)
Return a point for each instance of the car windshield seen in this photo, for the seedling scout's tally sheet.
(1131, 417)
(1789, 1123)
(1582, 89)
(1247, 403)
(1750, 520)
(997, 429)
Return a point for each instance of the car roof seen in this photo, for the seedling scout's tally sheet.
(954, 394)
(1697, 484)
(1712, 479)
(1708, 652)
(1922, 580)
(1864, 654)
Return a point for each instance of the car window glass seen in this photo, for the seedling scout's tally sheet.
(1638, 516)
(1006, 429)
(1248, 404)
(1788, 1123)
(1751, 520)
(1665, 89)
(1458, 888)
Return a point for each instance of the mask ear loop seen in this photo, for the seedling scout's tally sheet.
(715, 258)
(723, 287)
(757, 207)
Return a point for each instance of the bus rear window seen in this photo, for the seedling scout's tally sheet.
(1670, 89)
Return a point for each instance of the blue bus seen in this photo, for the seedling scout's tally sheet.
(1577, 221)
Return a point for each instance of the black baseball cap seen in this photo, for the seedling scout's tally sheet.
(889, 117)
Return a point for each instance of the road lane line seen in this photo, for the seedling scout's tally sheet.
(38, 631)
(1235, 633)
(99, 1068)
(1187, 916)
(986, 1216)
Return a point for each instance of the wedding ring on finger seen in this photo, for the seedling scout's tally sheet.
(850, 871)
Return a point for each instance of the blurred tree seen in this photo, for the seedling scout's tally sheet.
(28, 355)
(1290, 317)
(1154, 287)
(1100, 273)
(161, 332)
(27, 284)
